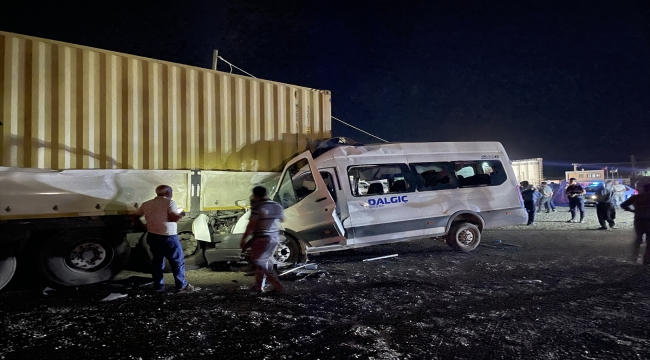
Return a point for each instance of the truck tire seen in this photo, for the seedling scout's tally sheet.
(83, 256)
(288, 252)
(7, 264)
(463, 236)
(191, 250)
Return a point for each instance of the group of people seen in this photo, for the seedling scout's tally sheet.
(536, 198)
(162, 214)
(608, 199)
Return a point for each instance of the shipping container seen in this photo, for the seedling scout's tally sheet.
(530, 170)
(86, 135)
(65, 106)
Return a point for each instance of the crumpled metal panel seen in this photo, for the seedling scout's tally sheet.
(65, 106)
(222, 190)
(44, 193)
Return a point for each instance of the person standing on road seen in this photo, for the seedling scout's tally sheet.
(640, 206)
(545, 199)
(575, 192)
(161, 215)
(551, 202)
(604, 207)
(619, 192)
(263, 225)
(531, 197)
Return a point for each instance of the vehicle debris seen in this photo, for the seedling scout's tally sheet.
(530, 281)
(48, 290)
(114, 296)
(381, 257)
(132, 282)
(294, 269)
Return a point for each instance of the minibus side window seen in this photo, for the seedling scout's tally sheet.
(435, 176)
(329, 182)
(297, 183)
(480, 173)
(371, 180)
(497, 173)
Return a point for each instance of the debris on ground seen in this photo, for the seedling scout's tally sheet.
(114, 296)
(131, 282)
(381, 257)
(530, 282)
(48, 290)
(294, 269)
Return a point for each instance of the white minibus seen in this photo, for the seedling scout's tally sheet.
(356, 196)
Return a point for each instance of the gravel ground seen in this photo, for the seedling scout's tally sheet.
(552, 291)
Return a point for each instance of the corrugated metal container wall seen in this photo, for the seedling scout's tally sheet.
(530, 170)
(65, 106)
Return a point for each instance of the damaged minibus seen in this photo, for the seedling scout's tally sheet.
(355, 196)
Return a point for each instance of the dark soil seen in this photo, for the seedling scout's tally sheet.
(545, 294)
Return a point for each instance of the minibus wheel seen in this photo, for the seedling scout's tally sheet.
(463, 236)
(288, 252)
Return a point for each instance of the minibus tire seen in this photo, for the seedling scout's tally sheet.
(463, 236)
(288, 252)
(7, 264)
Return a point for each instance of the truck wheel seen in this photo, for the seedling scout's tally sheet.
(191, 251)
(83, 256)
(288, 252)
(7, 264)
(463, 236)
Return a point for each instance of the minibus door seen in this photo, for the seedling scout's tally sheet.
(309, 210)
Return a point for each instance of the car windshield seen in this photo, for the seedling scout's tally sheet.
(591, 188)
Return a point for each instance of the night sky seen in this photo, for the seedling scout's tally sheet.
(568, 81)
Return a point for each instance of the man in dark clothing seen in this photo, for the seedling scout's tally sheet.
(575, 192)
(531, 196)
(640, 206)
(604, 207)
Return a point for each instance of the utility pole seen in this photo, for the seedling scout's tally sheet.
(633, 160)
(215, 57)
(575, 166)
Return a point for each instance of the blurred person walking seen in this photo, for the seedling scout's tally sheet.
(531, 197)
(619, 192)
(264, 226)
(640, 206)
(161, 215)
(575, 192)
(545, 199)
(604, 207)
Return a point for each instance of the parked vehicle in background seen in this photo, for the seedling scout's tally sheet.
(88, 134)
(591, 199)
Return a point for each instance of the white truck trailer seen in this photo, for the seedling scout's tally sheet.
(530, 170)
(87, 134)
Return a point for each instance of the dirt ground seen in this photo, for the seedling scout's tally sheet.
(553, 291)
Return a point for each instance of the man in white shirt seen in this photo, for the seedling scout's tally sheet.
(161, 215)
(619, 194)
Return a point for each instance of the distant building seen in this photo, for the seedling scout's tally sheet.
(643, 172)
(585, 175)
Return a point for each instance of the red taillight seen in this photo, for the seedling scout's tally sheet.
(636, 192)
